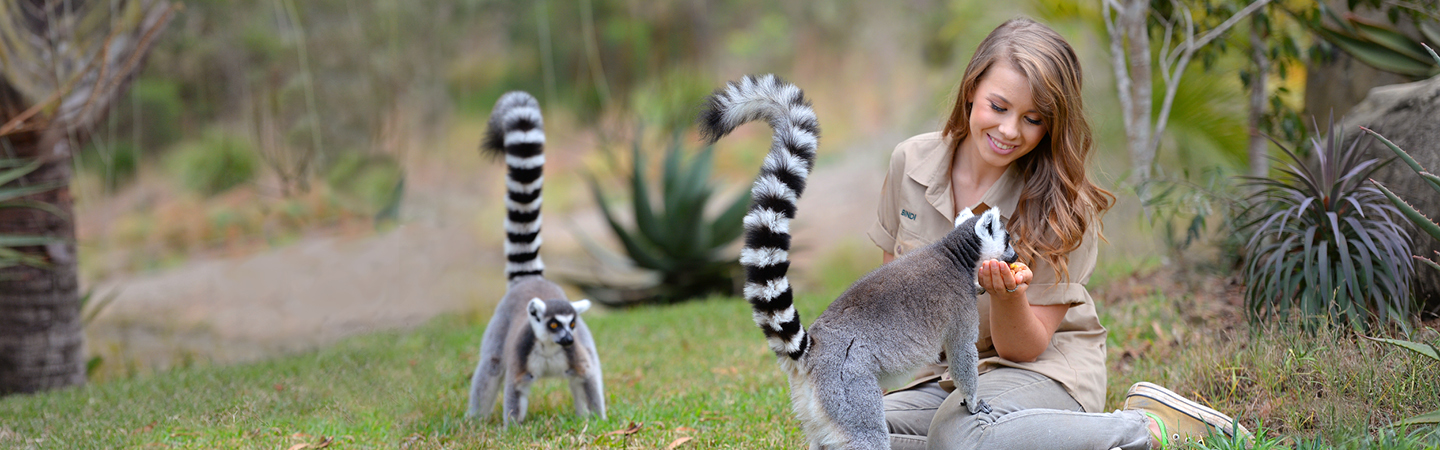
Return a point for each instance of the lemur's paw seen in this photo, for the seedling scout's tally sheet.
(978, 407)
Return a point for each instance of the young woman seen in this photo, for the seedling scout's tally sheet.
(1018, 140)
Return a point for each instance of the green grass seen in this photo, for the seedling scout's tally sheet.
(701, 371)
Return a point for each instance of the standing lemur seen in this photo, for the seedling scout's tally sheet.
(535, 332)
(889, 323)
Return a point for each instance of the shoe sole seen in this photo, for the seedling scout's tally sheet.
(1215, 419)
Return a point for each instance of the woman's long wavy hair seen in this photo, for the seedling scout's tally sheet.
(1058, 203)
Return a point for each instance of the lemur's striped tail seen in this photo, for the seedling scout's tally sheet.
(766, 254)
(517, 132)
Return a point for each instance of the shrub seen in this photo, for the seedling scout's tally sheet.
(1325, 246)
(673, 239)
(369, 180)
(214, 164)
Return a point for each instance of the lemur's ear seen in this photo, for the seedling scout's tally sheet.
(988, 227)
(581, 306)
(537, 307)
(964, 216)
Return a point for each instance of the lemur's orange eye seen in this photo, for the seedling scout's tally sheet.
(572, 325)
(554, 325)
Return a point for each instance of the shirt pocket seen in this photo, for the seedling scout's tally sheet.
(908, 239)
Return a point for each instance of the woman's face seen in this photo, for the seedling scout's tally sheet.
(1004, 123)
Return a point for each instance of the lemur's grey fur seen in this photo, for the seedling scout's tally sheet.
(892, 321)
(535, 332)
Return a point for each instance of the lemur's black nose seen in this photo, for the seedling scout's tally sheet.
(565, 340)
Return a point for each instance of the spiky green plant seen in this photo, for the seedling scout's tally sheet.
(1326, 247)
(13, 195)
(1379, 45)
(1431, 228)
(673, 239)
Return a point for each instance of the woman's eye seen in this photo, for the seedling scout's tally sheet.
(1032, 121)
(997, 108)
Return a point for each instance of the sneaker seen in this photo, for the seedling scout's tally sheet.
(1180, 419)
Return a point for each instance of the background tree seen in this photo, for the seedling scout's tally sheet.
(64, 64)
(1130, 25)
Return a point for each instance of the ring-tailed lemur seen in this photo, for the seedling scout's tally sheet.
(535, 332)
(889, 323)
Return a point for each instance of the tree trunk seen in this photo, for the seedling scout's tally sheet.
(41, 332)
(41, 335)
(1259, 149)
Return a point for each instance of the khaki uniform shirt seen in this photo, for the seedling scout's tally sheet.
(917, 208)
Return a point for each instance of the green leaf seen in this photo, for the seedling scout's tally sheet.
(12, 175)
(25, 241)
(1421, 222)
(1432, 417)
(1424, 349)
(1428, 262)
(1377, 56)
(1434, 183)
(633, 248)
(645, 220)
(1389, 38)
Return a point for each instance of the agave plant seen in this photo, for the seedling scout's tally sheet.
(673, 239)
(1326, 247)
(1378, 45)
(13, 196)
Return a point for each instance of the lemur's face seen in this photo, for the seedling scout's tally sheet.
(555, 320)
(994, 240)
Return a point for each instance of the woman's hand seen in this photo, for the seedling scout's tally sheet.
(1004, 281)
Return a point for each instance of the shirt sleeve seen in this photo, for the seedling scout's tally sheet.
(887, 221)
(1045, 289)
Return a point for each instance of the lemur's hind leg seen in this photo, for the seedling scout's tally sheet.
(964, 363)
(484, 386)
(855, 406)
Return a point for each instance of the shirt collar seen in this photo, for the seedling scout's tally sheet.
(932, 169)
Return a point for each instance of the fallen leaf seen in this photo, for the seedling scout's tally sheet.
(325, 442)
(685, 429)
(145, 429)
(279, 387)
(678, 442)
(629, 430)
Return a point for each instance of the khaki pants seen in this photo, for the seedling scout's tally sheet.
(1027, 410)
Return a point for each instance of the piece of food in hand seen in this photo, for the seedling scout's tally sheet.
(1016, 266)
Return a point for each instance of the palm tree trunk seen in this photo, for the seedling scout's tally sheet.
(41, 335)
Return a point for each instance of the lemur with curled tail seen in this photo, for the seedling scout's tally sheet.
(891, 322)
(536, 332)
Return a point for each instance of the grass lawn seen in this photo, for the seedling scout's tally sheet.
(698, 376)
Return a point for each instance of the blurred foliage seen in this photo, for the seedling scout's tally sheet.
(369, 182)
(214, 163)
(1383, 46)
(672, 239)
(1187, 207)
(12, 195)
(1325, 247)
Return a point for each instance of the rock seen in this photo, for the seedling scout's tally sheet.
(1408, 115)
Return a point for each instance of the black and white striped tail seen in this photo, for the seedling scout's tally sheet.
(517, 132)
(766, 254)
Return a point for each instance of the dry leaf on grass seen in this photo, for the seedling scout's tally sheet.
(678, 442)
(145, 429)
(629, 430)
(685, 429)
(324, 442)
